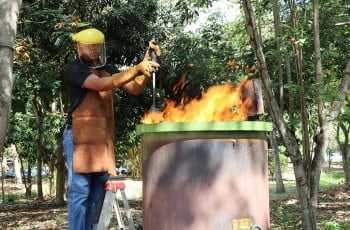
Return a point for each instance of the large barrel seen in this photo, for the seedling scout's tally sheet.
(205, 175)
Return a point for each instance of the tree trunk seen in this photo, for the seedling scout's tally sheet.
(298, 50)
(288, 138)
(3, 176)
(39, 157)
(325, 117)
(322, 139)
(39, 163)
(9, 12)
(344, 150)
(6, 83)
(60, 178)
(278, 33)
(17, 166)
(50, 174)
(342, 91)
(277, 164)
(27, 180)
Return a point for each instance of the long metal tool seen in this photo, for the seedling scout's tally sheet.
(154, 70)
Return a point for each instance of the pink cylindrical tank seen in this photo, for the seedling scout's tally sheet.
(205, 175)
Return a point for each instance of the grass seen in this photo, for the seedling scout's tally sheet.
(285, 214)
(285, 209)
(327, 180)
(331, 179)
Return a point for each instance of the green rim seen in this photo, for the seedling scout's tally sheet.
(245, 126)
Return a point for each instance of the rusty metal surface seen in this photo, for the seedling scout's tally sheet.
(252, 89)
(204, 183)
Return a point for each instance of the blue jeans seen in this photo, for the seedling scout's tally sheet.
(84, 190)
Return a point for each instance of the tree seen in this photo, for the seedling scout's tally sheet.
(20, 133)
(307, 191)
(343, 130)
(204, 57)
(9, 13)
(41, 54)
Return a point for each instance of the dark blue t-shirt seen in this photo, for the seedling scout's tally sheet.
(74, 76)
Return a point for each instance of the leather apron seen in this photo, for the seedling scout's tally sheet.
(93, 132)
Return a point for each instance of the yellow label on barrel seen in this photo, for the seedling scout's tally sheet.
(242, 224)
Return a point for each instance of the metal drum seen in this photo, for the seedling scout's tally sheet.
(205, 175)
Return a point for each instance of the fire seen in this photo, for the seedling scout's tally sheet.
(218, 103)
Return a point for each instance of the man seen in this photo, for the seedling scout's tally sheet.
(88, 138)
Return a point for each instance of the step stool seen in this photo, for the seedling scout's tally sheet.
(108, 202)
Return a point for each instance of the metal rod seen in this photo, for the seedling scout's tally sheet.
(154, 90)
(154, 70)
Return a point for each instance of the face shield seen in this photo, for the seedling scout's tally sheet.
(93, 55)
(90, 45)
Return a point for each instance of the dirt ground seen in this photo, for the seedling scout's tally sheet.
(16, 213)
(19, 213)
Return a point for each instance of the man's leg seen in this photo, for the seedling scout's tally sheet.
(78, 188)
(98, 181)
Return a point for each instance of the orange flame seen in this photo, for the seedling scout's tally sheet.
(218, 103)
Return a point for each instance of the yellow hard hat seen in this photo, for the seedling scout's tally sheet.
(89, 36)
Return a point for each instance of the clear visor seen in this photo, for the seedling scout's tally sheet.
(94, 54)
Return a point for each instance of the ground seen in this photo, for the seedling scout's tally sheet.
(333, 211)
(19, 213)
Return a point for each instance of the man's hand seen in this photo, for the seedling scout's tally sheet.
(145, 67)
(152, 46)
(142, 71)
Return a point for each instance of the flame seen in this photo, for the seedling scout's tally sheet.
(218, 103)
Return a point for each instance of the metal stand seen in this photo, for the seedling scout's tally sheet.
(108, 202)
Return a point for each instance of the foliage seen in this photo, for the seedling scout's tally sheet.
(21, 132)
(331, 226)
(128, 26)
(136, 163)
(189, 9)
(42, 53)
(331, 179)
(10, 198)
(217, 52)
(206, 57)
(343, 129)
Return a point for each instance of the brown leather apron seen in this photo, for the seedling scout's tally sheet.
(93, 132)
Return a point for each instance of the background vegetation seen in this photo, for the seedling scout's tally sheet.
(215, 52)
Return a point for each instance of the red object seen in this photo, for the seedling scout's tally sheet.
(114, 186)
